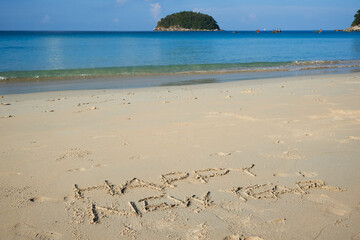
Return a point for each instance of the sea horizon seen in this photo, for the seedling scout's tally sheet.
(222, 30)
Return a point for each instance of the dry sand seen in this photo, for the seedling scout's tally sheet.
(259, 159)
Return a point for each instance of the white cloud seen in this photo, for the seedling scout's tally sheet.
(121, 2)
(46, 19)
(155, 10)
(252, 16)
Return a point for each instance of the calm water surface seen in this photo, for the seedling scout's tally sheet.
(76, 55)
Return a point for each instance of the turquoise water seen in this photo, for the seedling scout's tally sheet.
(28, 56)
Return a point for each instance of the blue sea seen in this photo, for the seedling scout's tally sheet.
(47, 61)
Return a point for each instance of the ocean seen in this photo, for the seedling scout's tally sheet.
(48, 61)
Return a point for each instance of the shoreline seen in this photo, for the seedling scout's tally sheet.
(252, 159)
(26, 85)
(163, 70)
(211, 83)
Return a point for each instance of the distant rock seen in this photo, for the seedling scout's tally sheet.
(353, 29)
(180, 29)
(350, 29)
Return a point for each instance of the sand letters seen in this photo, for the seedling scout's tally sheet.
(161, 201)
(164, 200)
(269, 190)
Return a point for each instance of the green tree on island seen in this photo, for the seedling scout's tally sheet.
(189, 20)
(357, 19)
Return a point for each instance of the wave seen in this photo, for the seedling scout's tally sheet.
(325, 62)
(151, 70)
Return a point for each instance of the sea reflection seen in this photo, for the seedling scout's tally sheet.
(54, 52)
(356, 48)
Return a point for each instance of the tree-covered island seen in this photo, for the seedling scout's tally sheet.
(356, 19)
(187, 21)
(355, 26)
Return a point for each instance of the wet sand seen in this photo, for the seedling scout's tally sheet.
(257, 159)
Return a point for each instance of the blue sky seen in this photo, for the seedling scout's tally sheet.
(138, 15)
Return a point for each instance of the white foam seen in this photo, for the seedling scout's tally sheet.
(2, 78)
(325, 62)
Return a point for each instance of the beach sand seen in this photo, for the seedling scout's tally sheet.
(259, 159)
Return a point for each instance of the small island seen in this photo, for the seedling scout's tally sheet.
(187, 21)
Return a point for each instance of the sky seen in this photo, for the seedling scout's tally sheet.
(142, 15)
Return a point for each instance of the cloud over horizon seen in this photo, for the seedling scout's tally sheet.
(121, 2)
(45, 19)
(155, 10)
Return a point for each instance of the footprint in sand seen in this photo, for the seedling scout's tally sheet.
(84, 103)
(338, 115)
(298, 174)
(348, 139)
(356, 236)
(252, 238)
(238, 237)
(233, 115)
(10, 173)
(225, 154)
(129, 232)
(43, 199)
(137, 157)
(89, 109)
(8, 116)
(289, 121)
(278, 225)
(30, 232)
(329, 204)
(56, 99)
(291, 154)
(81, 169)
(278, 221)
(307, 174)
(200, 232)
(354, 138)
(77, 170)
(104, 136)
(182, 124)
(283, 175)
(319, 100)
(5, 104)
(249, 91)
(221, 154)
(74, 153)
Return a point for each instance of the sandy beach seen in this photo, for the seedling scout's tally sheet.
(259, 159)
